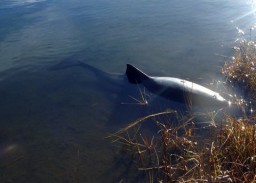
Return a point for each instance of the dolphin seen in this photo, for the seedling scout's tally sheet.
(176, 89)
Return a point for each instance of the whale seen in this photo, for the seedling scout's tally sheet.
(177, 90)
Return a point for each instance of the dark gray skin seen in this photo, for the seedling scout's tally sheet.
(174, 89)
(177, 90)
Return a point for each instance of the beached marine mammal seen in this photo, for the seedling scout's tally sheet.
(176, 89)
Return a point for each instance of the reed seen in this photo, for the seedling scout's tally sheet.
(240, 71)
(176, 153)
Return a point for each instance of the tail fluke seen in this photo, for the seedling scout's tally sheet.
(135, 75)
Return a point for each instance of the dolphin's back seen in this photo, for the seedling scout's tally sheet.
(176, 89)
(135, 75)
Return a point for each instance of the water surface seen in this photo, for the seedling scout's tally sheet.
(53, 123)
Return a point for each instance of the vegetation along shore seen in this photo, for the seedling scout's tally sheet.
(177, 154)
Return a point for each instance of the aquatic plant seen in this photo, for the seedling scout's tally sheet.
(240, 71)
(179, 154)
(233, 153)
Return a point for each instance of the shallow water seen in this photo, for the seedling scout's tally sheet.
(53, 122)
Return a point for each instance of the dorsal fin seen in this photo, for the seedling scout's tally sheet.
(135, 75)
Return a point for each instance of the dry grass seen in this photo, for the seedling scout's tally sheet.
(178, 154)
(241, 70)
(233, 153)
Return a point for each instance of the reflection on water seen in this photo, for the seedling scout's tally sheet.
(53, 122)
(13, 3)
